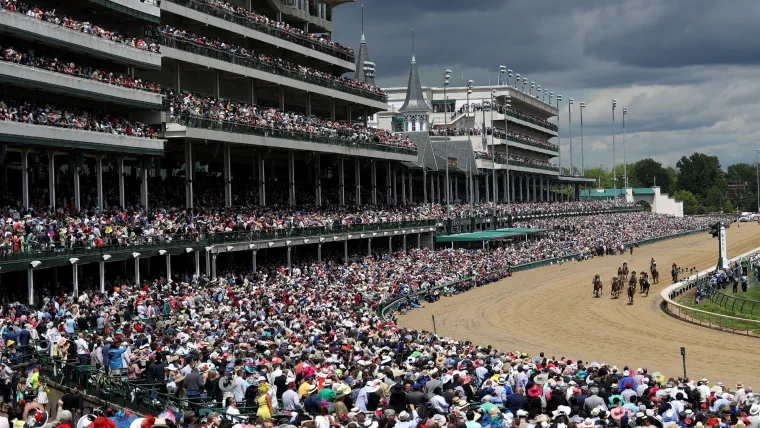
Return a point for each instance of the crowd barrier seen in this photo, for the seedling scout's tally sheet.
(701, 317)
(734, 304)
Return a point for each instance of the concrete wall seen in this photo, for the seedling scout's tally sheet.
(48, 135)
(661, 203)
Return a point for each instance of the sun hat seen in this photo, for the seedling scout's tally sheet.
(617, 412)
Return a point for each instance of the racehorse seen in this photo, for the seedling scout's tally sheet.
(625, 270)
(598, 286)
(616, 287)
(644, 282)
(674, 273)
(631, 292)
(620, 272)
(655, 273)
(632, 281)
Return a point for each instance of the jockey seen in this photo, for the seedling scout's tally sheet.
(653, 262)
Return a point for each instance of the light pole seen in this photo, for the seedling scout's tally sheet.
(532, 85)
(507, 105)
(525, 83)
(614, 167)
(469, 152)
(559, 143)
(538, 92)
(757, 177)
(509, 75)
(446, 81)
(625, 163)
(502, 72)
(583, 168)
(493, 158)
(570, 132)
(517, 79)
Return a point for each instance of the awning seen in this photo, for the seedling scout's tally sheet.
(444, 101)
(397, 119)
(488, 235)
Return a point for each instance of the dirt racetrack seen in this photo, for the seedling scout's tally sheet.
(551, 309)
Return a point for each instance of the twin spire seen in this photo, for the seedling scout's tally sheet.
(365, 69)
(415, 101)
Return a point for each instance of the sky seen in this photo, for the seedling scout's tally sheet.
(687, 70)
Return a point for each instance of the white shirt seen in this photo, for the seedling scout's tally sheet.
(82, 347)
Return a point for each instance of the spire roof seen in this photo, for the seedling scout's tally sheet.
(362, 58)
(415, 101)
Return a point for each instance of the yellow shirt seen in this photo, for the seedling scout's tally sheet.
(303, 389)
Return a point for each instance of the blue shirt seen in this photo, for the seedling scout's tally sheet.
(70, 324)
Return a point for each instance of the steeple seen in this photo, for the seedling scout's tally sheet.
(365, 69)
(415, 108)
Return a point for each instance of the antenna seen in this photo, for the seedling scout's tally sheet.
(362, 19)
(412, 41)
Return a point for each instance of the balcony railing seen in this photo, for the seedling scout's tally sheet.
(242, 128)
(265, 28)
(252, 62)
(519, 138)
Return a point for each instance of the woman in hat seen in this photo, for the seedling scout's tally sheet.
(264, 401)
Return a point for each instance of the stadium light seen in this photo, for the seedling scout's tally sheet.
(469, 152)
(570, 102)
(507, 105)
(502, 70)
(625, 165)
(583, 170)
(525, 83)
(532, 85)
(446, 82)
(614, 167)
(517, 80)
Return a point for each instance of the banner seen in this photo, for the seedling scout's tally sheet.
(723, 260)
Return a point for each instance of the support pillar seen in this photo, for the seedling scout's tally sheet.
(541, 182)
(345, 251)
(102, 276)
(388, 191)
(390, 244)
(341, 182)
(456, 188)
(403, 188)
(120, 173)
(217, 85)
(419, 240)
(137, 271)
(424, 186)
(395, 187)
(505, 187)
(289, 259)
(262, 181)
(197, 264)
(189, 174)
(319, 253)
(513, 179)
(98, 180)
(373, 178)
(282, 98)
(476, 184)
(308, 104)
(411, 197)
(432, 188)
(77, 189)
(403, 242)
(75, 279)
(25, 177)
(488, 193)
(51, 179)
(534, 189)
(317, 180)
(30, 286)
(369, 247)
(291, 178)
(213, 266)
(253, 261)
(208, 263)
(227, 173)
(144, 187)
(358, 181)
(168, 266)
(332, 109)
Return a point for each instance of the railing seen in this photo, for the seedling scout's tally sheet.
(518, 139)
(733, 304)
(252, 62)
(242, 128)
(264, 28)
(530, 165)
(212, 238)
(709, 319)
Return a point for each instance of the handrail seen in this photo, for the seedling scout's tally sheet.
(706, 318)
(264, 28)
(243, 128)
(254, 63)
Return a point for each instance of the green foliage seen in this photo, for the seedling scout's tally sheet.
(699, 174)
(728, 207)
(690, 203)
(650, 172)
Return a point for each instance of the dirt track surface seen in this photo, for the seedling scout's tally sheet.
(551, 309)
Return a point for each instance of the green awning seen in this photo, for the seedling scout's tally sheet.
(488, 235)
(643, 191)
(397, 119)
(444, 101)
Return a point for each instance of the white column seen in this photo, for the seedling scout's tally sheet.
(77, 189)
(411, 198)
(403, 188)
(395, 188)
(373, 177)
(30, 286)
(99, 180)
(213, 266)
(289, 259)
(144, 187)
(262, 182)
(317, 180)
(319, 253)
(102, 275)
(208, 264)
(253, 261)
(345, 251)
(389, 190)
(168, 266)
(189, 174)
(197, 263)
(227, 175)
(25, 177)
(51, 178)
(137, 271)
(534, 189)
(75, 277)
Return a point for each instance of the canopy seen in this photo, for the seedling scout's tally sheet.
(487, 235)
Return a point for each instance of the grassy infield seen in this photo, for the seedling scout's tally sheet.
(753, 293)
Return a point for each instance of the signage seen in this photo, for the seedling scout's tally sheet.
(723, 249)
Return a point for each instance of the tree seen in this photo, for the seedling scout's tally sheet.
(728, 207)
(650, 173)
(673, 173)
(742, 186)
(698, 173)
(601, 175)
(690, 203)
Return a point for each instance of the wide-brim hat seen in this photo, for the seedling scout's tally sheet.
(86, 420)
(226, 384)
(372, 387)
(36, 419)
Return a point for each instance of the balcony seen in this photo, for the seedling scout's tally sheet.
(183, 126)
(56, 35)
(76, 86)
(143, 9)
(230, 21)
(174, 48)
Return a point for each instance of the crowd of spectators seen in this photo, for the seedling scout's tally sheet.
(287, 31)
(197, 106)
(72, 118)
(54, 64)
(53, 17)
(502, 159)
(476, 107)
(267, 59)
(306, 346)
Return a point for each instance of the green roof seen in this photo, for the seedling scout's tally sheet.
(601, 193)
(487, 235)
(643, 191)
